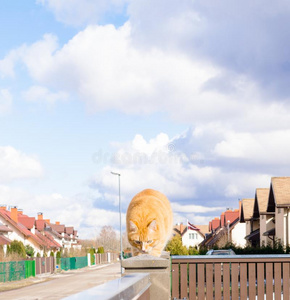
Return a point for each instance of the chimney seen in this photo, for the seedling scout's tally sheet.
(3, 206)
(47, 221)
(14, 214)
(57, 223)
(40, 216)
(20, 211)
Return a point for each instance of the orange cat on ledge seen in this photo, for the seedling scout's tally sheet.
(149, 222)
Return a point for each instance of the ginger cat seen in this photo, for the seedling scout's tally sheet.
(149, 222)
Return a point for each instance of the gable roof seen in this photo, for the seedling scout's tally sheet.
(57, 228)
(20, 227)
(231, 216)
(179, 229)
(261, 202)
(215, 223)
(247, 209)
(4, 240)
(28, 222)
(281, 190)
(69, 230)
(262, 196)
(7, 216)
(52, 240)
(203, 229)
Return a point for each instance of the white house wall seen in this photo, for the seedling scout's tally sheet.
(238, 234)
(191, 238)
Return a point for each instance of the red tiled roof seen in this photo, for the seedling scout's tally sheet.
(57, 228)
(4, 240)
(50, 237)
(28, 222)
(66, 236)
(7, 216)
(40, 224)
(231, 216)
(215, 223)
(44, 240)
(4, 228)
(69, 230)
(210, 226)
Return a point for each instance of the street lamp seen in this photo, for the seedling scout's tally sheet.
(121, 256)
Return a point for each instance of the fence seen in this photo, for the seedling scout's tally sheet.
(101, 258)
(18, 270)
(231, 277)
(73, 263)
(44, 265)
(11, 271)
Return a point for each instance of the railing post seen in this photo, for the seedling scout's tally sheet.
(157, 267)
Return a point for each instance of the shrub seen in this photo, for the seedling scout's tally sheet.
(58, 257)
(175, 247)
(29, 251)
(16, 247)
(101, 250)
(92, 252)
(192, 251)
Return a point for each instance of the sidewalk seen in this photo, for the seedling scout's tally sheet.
(13, 285)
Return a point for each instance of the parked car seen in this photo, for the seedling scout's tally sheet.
(221, 252)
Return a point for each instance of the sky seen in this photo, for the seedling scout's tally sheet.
(189, 97)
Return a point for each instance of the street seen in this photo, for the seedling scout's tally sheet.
(65, 284)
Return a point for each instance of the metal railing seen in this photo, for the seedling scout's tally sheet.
(231, 277)
(133, 286)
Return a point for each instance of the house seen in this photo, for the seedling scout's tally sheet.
(264, 218)
(191, 237)
(18, 231)
(42, 232)
(279, 207)
(229, 230)
(39, 233)
(252, 227)
(4, 240)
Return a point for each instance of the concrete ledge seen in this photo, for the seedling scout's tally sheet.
(131, 286)
(145, 261)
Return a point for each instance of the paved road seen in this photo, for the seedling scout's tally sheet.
(65, 284)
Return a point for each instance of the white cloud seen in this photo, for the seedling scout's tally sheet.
(42, 94)
(77, 211)
(270, 148)
(143, 81)
(193, 208)
(5, 101)
(243, 37)
(17, 165)
(74, 12)
(103, 66)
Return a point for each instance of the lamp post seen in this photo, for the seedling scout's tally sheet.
(121, 256)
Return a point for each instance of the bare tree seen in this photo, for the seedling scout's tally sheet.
(108, 239)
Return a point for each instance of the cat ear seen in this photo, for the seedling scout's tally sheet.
(153, 225)
(132, 226)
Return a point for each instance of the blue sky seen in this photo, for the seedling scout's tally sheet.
(190, 98)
